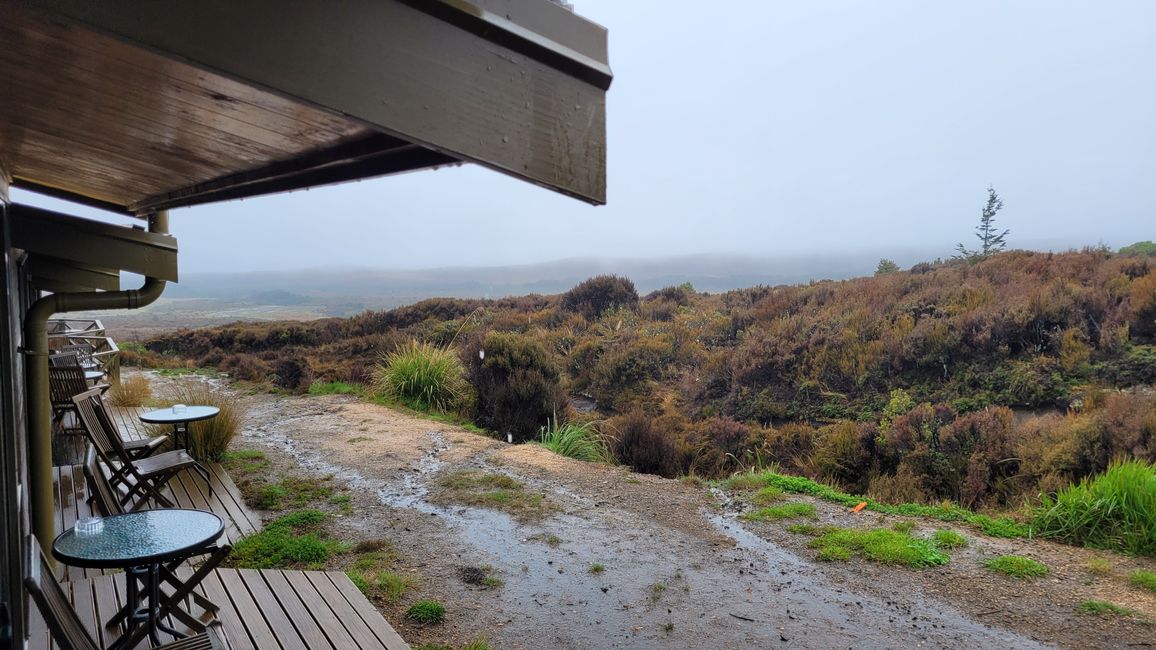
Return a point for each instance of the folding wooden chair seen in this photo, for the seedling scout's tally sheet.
(144, 478)
(105, 500)
(68, 632)
(65, 381)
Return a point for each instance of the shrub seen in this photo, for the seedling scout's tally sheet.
(578, 441)
(1017, 566)
(1115, 510)
(292, 372)
(517, 384)
(130, 391)
(246, 367)
(208, 439)
(594, 296)
(423, 376)
(426, 612)
(642, 446)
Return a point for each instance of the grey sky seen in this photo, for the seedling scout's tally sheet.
(769, 127)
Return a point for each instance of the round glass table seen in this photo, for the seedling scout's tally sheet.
(180, 419)
(140, 543)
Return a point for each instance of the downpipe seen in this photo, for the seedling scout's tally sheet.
(36, 377)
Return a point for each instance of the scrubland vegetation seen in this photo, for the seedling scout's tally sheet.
(981, 383)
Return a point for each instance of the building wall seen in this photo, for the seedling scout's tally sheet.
(13, 509)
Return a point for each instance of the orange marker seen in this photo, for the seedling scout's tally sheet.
(862, 504)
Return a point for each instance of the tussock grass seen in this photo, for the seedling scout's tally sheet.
(423, 376)
(131, 391)
(1143, 579)
(785, 511)
(208, 439)
(1017, 566)
(1115, 510)
(994, 526)
(883, 545)
(578, 441)
(297, 540)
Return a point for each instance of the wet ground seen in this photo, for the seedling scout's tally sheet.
(678, 569)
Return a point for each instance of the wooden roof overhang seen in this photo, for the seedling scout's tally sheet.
(143, 106)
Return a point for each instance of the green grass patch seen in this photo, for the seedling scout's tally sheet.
(767, 496)
(1143, 579)
(578, 441)
(297, 540)
(1105, 609)
(1115, 510)
(882, 545)
(1099, 566)
(785, 511)
(244, 461)
(596, 568)
(334, 388)
(373, 569)
(291, 491)
(490, 490)
(426, 612)
(993, 526)
(948, 539)
(904, 526)
(1017, 566)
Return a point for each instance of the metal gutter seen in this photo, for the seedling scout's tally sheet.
(36, 375)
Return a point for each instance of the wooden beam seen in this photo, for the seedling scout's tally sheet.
(395, 68)
(93, 243)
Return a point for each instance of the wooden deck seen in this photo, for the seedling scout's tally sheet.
(266, 609)
(260, 610)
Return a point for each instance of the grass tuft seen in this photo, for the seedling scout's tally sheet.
(1143, 579)
(1115, 510)
(1017, 566)
(489, 490)
(423, 376)
(333, 388)
(785, 511)
(578, 441)
(882, 545)
(948, 539)
(1105, 609)
(426, 612)
(1100, 566)
(208, 439)
(131, 391)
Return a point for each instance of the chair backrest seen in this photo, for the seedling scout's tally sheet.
(61, 359)
(65, 382)
(102, 433)
(102, 493)
(67, 629)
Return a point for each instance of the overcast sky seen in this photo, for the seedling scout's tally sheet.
(769, 127)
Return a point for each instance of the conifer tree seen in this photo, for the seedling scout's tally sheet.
(991, 241)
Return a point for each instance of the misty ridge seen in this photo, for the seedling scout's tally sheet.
(343, 292)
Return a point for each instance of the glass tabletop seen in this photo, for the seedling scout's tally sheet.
(138, 538)
(190, 414)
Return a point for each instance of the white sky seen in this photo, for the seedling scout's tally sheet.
(770, 127)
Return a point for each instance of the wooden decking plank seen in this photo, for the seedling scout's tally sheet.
(193, 493)
(85, 605)
(275, 614)
(107, 605)
(319, 609)
(343, 611)
(247, 610)
(296, 610)
(373, 618)
(247, 521)
(230, 620)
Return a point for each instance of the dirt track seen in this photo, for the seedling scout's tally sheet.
(680, 570)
